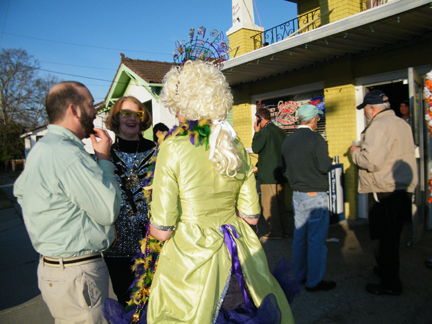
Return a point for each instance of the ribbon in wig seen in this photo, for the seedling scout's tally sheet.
(214, 135)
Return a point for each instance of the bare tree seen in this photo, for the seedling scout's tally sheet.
(22, 92)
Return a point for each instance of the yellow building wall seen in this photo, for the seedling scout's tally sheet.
(341, 9)
(339, 91)
(242, 115)
(308, 10)
(341, 130)
(242, 39)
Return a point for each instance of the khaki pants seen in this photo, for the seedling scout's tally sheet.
(75, 294)
(273, 205)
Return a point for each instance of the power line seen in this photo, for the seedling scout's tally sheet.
(75, 75)
(83, 66)
(4, 23)
(82, 45)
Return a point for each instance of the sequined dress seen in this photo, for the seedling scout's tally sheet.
(132, 164)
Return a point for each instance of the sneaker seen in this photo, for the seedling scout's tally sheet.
(323, 285)
(378, 289)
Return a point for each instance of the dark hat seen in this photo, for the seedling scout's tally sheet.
(373, 97)
(264, 113)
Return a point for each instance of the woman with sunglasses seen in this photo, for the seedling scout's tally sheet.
(130, 154)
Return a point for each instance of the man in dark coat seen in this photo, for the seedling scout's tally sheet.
(267, 143)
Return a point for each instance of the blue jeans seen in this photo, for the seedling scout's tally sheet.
(311, 223)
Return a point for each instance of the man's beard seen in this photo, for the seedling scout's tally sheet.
(86, 121)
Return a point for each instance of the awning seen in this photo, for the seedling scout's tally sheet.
(388, 26)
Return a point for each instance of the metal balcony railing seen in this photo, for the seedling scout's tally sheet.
(280, 32)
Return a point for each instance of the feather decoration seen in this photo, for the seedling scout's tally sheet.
(146, 260)
(145, 266)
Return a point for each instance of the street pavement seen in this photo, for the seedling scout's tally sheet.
(349, 263)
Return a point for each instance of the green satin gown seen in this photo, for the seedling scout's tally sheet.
(192, 199)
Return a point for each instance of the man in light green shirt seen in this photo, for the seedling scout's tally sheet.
(70, 203)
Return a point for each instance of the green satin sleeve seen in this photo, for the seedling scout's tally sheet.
(165, 200)
(247, 198)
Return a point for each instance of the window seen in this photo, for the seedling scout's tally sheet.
(284, 110)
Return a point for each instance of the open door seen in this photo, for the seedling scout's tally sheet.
(415, 86)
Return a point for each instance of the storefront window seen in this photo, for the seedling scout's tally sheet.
(284, 110)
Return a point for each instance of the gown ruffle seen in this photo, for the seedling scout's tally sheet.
(268, 312)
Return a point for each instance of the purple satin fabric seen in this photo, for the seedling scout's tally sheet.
(232, 249)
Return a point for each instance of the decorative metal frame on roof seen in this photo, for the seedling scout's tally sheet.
(211, 49)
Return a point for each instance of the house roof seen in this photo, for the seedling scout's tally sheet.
(149, 71)
(152, 72)
(385, 27)
(31, 132)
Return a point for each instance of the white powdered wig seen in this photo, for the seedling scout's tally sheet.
(198, 90)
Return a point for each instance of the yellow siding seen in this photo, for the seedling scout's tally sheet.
(341, 131)
(339, 91)
(242, 118)
(341, 9)
(242, 38)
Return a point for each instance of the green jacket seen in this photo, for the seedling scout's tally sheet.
(267, 143)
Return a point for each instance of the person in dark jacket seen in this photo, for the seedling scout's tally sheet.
(267, 143)
(305, 155)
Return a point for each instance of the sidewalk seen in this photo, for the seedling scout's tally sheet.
(20, 299)
(349, 263)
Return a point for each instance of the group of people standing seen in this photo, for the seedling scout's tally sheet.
(387, 173)
(302, 159)
(87, 217)
(169, 222)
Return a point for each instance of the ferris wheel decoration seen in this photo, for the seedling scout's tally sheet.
(212, 48)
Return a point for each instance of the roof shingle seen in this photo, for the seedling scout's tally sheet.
(150, 71)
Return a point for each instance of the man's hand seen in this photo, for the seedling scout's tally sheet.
(102, 147)
(257, 127)
(353, 148)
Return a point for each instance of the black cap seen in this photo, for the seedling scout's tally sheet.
(373, 97)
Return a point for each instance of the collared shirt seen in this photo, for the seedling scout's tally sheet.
(305, 126)
(69, 201)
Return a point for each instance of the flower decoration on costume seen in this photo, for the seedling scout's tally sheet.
(428, 97)
(212, 48)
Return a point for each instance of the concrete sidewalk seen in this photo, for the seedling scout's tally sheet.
(349, 264)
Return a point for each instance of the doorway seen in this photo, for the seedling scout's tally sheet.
(396, 91)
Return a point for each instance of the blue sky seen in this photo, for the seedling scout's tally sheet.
(84, 38)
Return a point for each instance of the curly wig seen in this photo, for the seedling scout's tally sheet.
(198, 90)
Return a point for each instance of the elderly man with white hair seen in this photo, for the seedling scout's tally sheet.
(388, 174)
(305, 155)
